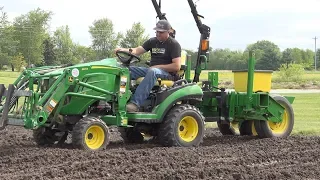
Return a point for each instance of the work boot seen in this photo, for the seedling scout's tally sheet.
(131, 107)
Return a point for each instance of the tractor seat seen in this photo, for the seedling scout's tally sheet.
(169, 83)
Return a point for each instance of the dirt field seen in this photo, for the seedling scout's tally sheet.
(218, 158)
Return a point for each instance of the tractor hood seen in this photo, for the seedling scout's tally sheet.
(110, 62)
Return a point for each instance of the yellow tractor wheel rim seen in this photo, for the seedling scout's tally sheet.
(94, 137)
(235, 126)
(253, 129)
(188, 128)
(280, 127)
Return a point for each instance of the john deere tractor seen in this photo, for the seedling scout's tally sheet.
(85, 100)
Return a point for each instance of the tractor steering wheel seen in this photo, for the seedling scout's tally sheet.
(127, 57)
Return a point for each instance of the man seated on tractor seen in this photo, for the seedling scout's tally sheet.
(165, 63)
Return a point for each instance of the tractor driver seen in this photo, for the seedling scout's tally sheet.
(165, 63)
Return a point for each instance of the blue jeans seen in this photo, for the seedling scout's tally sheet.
(150, 78)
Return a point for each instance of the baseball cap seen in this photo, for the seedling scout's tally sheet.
(162, 25)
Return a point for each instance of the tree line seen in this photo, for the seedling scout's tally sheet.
(267, 54)
(27, 40)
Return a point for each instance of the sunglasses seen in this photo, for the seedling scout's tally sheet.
(161, 32)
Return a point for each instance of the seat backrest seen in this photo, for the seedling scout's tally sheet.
(183, 57)
(183, 63)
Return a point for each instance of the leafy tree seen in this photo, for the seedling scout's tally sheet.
(18, 62)
(64, 47)
(318, 57)
(31, 31)
(8, 46)
(219, 58)
(226, 59)
(308, 58)
(48, 54)
(269, 55)
(193, 57)
(84, 54)
(237, 61)
(104, 39)
(297, 55)
(292, 72)
(287, 57)
(135, 37)
(3, 17)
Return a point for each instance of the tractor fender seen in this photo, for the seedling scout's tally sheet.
(191, 92)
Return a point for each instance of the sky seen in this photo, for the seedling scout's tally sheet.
(234, 24)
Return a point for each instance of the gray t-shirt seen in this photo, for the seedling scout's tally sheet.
(162, 52)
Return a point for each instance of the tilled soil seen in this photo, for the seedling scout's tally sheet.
(219, 157)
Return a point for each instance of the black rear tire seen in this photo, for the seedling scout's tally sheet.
(182, 126)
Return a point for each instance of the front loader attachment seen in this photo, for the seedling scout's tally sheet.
(9, 100)
(18, 100)
(49, 98)
(6, 106)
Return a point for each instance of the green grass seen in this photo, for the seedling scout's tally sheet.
(307, 114)
(8, 77)
(223, 75)
(307, 76)
(7, 80)
(9, 74)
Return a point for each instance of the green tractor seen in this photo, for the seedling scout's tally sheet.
(85, 100)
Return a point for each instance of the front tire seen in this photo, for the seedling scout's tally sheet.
(44, 136)
(90, 134)
(182, 126)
